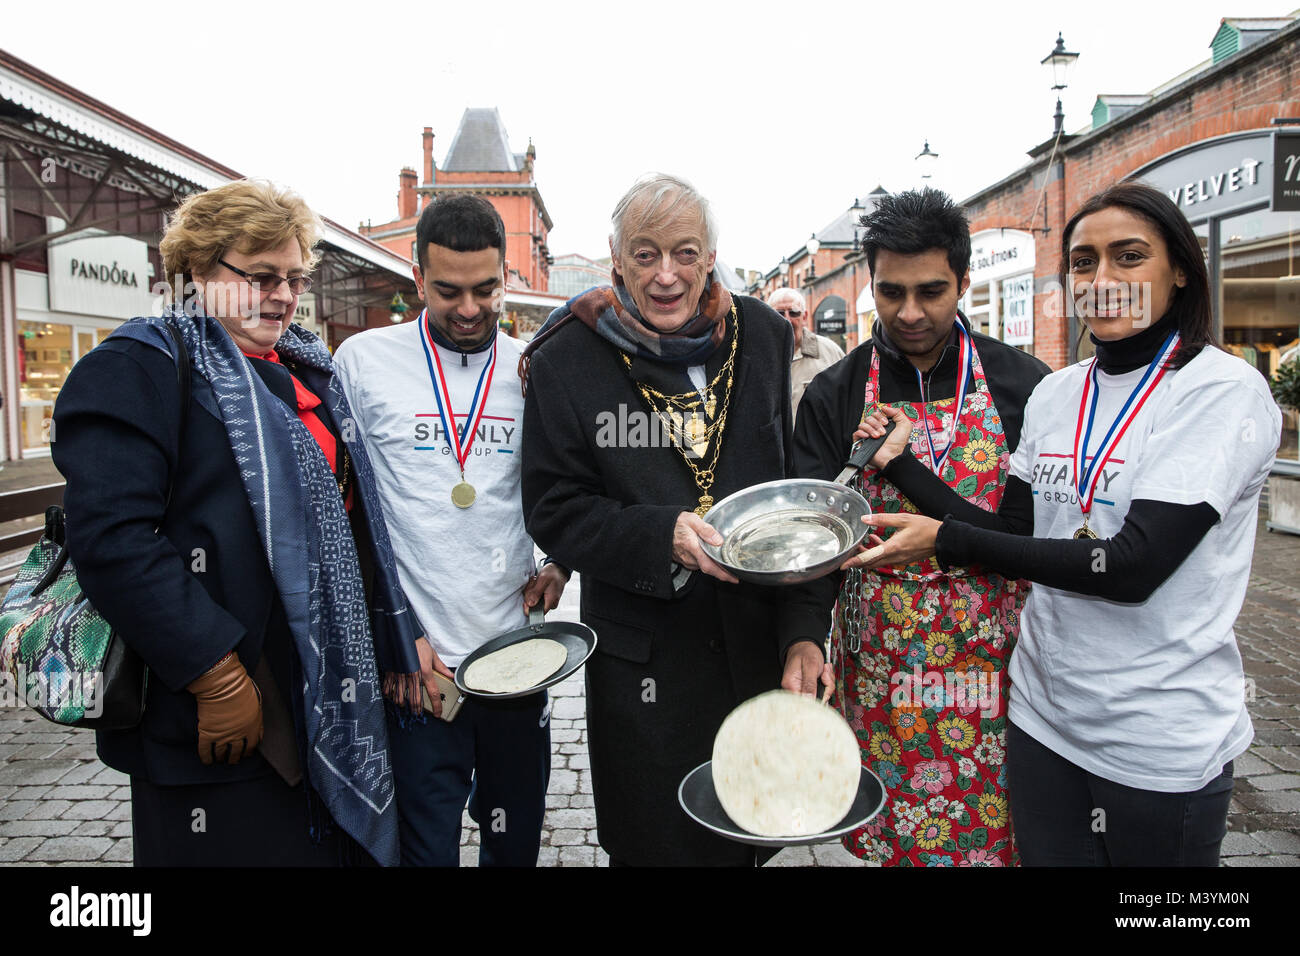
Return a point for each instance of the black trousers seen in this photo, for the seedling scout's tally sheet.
(1064, 816)
(257, 822)
(495, 756)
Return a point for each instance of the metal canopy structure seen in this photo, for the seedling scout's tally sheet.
(70, 163)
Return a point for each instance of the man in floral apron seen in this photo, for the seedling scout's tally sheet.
(919, 654)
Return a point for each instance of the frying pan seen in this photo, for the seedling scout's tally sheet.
(794, 529)
(578, 640)
(700, 801)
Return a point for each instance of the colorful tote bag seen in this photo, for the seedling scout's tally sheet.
(65, 661)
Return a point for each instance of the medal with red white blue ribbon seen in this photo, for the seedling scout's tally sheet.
(1087, 476)
(964, 350)
(460, 440)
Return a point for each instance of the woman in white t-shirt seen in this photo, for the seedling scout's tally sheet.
(1132, 504)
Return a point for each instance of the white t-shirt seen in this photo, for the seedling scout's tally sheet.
(1148, 695)
(463, 570)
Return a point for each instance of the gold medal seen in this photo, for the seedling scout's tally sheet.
(463, 494)
(460, 441)
(1085, 532)
(697, 435)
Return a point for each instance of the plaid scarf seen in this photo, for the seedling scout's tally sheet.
(610, 312)
(313, 559)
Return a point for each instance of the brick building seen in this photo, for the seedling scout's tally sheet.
(1217, 140)
(1222, 140)
(480, 161)
(830, 270)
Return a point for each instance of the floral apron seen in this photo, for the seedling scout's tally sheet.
(921, 661)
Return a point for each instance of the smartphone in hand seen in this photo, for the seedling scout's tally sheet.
(452, 698)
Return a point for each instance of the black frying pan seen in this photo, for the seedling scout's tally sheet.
(700, 801)
(578, 640)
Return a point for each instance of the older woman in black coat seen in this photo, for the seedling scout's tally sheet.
(646, 402)
(233, 539)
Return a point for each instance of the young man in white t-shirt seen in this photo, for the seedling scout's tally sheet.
(452, 502)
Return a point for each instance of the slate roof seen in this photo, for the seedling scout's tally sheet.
(481, 145)
(840, 229)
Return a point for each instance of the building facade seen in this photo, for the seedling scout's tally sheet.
(575, 273)
(84, 191)
(1222, 141)
(480, 161)
(830, 269)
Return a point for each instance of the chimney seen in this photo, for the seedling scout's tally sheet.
(428, 164)
(407, 198)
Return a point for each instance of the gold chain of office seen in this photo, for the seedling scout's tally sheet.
(680, 415)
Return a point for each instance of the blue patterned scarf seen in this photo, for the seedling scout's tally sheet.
(342, 645)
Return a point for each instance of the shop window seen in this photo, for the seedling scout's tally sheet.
(980, 308)
(1259, 262)
(46, 353)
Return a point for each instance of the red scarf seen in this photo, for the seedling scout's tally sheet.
(308, 402)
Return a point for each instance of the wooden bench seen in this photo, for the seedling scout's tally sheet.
(28, 503)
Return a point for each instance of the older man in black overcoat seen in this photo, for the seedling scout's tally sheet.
(646, 402)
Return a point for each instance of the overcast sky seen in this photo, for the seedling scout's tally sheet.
(781, 113)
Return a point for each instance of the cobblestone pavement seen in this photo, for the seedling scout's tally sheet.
(60, 805)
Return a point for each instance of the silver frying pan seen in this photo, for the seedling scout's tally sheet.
(795, 529)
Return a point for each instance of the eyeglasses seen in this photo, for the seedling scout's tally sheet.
(268, 282)
(790, 313)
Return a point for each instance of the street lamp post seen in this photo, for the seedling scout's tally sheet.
(856, 212)
(925, 161)
(812, 245)
(1061, 60)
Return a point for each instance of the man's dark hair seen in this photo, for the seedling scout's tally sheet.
(916, 221)
(462, 223)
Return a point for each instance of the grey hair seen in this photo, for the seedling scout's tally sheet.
(662, 197)
(787, 291)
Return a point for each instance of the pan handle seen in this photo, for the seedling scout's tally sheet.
(866, 448)
(536, 617)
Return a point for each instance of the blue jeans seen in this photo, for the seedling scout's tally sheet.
(1064, 816)
(497, 756)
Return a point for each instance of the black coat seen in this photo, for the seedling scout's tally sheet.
(669, 665)
(198, 587)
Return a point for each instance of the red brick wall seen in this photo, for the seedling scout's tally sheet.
(519, 214)
(443, 178)
(844, 278)
(407, 197)
(399, 242)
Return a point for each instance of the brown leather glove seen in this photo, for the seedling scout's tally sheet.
(230, 712)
